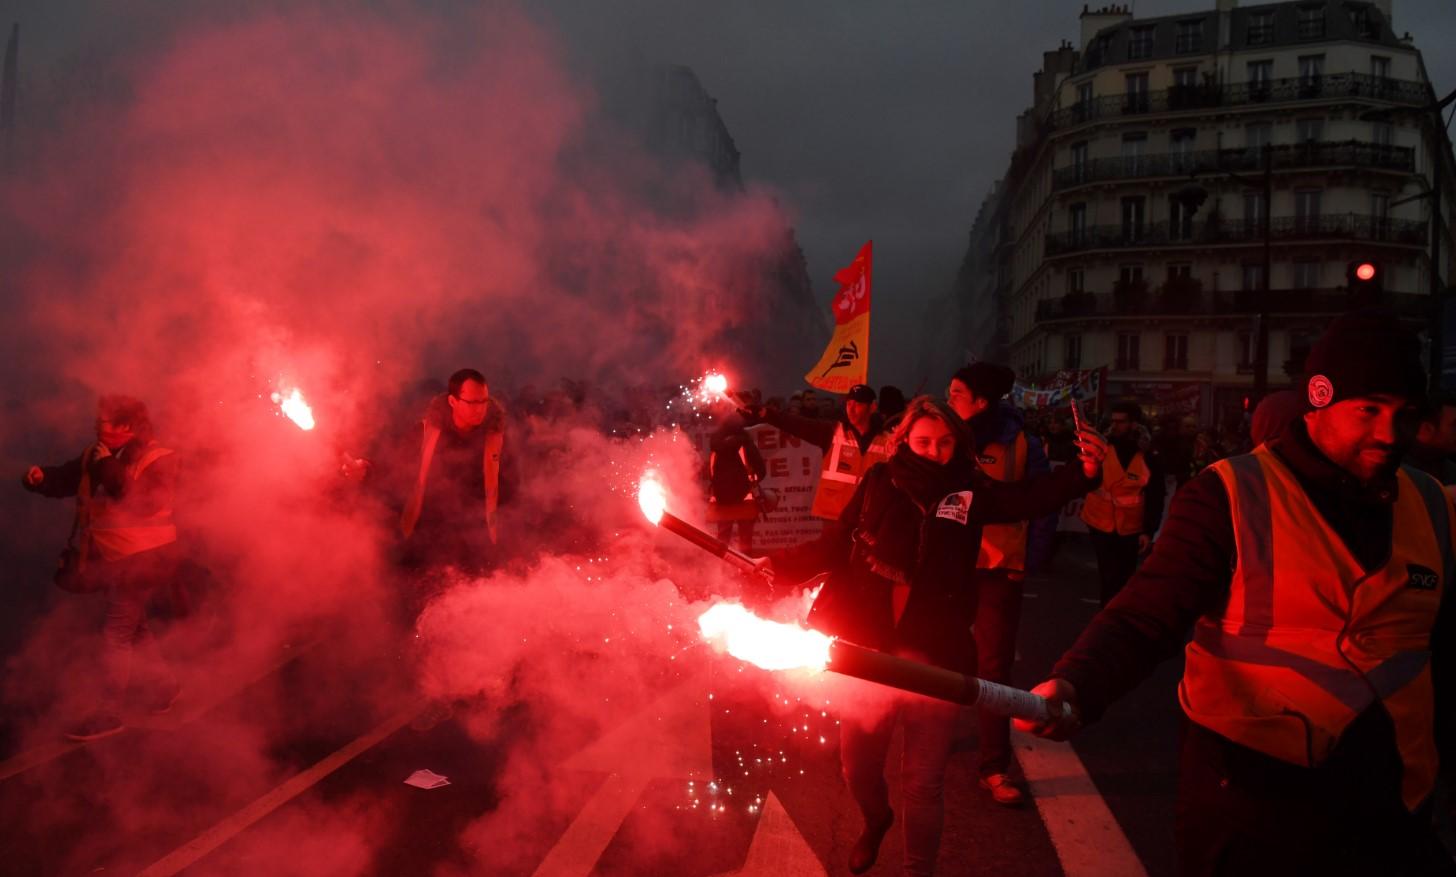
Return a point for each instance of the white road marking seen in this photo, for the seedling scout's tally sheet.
(1088, 840)
(778, 848)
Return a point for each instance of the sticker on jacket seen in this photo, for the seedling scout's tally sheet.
(957, 507)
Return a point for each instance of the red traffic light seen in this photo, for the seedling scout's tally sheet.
(1365, 271)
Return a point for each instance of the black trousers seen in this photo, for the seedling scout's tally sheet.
(1240, 812)
(1117, 558)
(998, 615)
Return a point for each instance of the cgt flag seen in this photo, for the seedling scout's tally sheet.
(846, 361)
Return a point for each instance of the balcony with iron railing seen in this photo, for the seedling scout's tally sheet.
(1213, 96)
(1298, 156)
(1186, 301)
(1217, 231)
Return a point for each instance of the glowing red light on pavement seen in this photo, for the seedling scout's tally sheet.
(1365, 271)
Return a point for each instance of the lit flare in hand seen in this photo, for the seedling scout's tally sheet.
(768, 644)
(651, 497)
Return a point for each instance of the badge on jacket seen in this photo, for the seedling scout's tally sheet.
(1422, 579)
(956, 507)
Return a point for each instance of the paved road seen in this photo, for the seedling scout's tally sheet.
(735, 784)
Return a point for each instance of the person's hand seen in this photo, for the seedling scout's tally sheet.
(1065, 718)
(762, 566)
(1092, 449)
(34, 476)
(1145, 543)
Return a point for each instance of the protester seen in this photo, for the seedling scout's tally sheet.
(1434, 451)
(1273, 415)
(902, 556)
(852, 443)
(123, 543)
(1006, 453)
(1060, 443)
(1123, 514)
(1176, 448)
(1315, 573)
(735, 468)
(449, 516)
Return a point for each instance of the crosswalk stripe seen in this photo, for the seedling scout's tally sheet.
(1087, 838)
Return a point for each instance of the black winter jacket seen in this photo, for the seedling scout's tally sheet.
(856, 603)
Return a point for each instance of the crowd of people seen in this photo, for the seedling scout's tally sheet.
(1311, 567)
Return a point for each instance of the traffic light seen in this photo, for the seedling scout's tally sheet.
(1364, 277)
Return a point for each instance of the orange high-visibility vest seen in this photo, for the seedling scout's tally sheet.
(1309, 639)
(116, 531)
(1117, 506)
(843, 466)
(1003, 546)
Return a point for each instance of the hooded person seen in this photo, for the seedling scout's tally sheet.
(1008, 453)
(1319, 682)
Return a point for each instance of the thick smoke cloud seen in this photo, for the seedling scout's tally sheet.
(348, 204)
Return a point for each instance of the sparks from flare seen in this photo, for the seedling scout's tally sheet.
(294, 408)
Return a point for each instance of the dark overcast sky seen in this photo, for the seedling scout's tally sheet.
(873, 119)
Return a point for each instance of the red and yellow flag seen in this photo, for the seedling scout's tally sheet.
(846, 361)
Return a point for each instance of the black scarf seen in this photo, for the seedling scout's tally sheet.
(892, 524)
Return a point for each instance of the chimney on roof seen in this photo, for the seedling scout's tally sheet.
(1095, 20)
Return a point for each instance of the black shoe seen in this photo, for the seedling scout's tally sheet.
(867, 848)
(94, 728)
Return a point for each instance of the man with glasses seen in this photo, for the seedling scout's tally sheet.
(449, 517)
(1123, 514)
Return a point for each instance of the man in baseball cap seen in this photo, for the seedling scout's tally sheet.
(1316, 576)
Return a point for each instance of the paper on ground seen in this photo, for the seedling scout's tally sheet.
(427, 779)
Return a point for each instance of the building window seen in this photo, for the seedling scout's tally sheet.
(1309, 130)
(1134, 153)
(1079, 162)
(1380, 215)
(1253, 276)
(1257, 136)
(1175, 352)
(1077, 223)
(1254, 211)
(1184, 93)
(1129, 353)
(1365, 28)
(1129, 276)
(1190, 36)
(1379, 69)
(1180, 219)
(1140, 43)
(1134, 218)
(1382, 133)
(1311, 22)
(1185, 77)
(1137, 93)
(1311, 74)
(1084, 94)
(1306, 210)
(1306, 274)
(1261, 28)
(1076, 281)
(1260, 76)
(1180, 149)
(1072, 352)
(1246, 351)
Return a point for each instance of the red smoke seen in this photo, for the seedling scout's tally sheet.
(346, 203)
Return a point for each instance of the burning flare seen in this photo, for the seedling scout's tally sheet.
(297, 410)
(715, 384)
(767, 644)
(651, 497)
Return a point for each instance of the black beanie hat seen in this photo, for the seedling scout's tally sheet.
(1365, 353)
(987, 379)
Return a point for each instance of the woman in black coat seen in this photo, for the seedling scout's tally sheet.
(901, 561)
